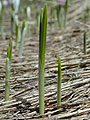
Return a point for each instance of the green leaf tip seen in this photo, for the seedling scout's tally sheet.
(9, 50)
(23, 26)
(23, 32)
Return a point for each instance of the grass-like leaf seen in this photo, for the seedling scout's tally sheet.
(66, 12)
(23, 31)
(12, 22)
(8, 65)
(42, 46)
(15, 5)
(59, 83)
(17, 30)
(62, 11)
(9, 50)
(37, 19)
(58, 16)
(1, 13)
(28, 12)
(85, 44)
(7, 86)
(1, 20)
(17, 35)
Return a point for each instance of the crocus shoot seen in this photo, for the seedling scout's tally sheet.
(37, 19)
(28, 12)
(62, 10)
(14, 10)
(42, 46)
(8, 66)
(59, 83)
(17, 30)
(85, 44)
(15, 5)
(1, 20)
(23, 31)
(66, 12)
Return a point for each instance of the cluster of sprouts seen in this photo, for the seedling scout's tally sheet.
(41, 20)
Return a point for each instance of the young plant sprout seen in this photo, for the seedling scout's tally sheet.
(37, 19)
(58, 16)
(85, 44)
(23, 31)
(28, 16)
(59, 83)
(53, 19)
(28, 12)
(66, 12)
(1, 14)
(8, 66)
(17, 30)
(12, 22)
(42, 46)
(1, 19)
(87, 14)
(62, 10)
(13, 18)
(14, 10)
(15, 5)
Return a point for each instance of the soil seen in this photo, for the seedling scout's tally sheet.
(68, 44)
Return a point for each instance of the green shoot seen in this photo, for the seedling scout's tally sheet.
(1, 14)
(17, 35)
(12, 23)
(14, 10)
(23, 31)
(8, 65)
(62, 11)
(53, 17)
(66, 12)
(7, 86)
(28, 12)
(12, 18)
(9, 50)
(87, 14)
(85, 45)
(17, 31)
(59, 83)
(23, 27)
(15, 5)
(37, 19)
(1, 20)
(58, 16)
(42, 46)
